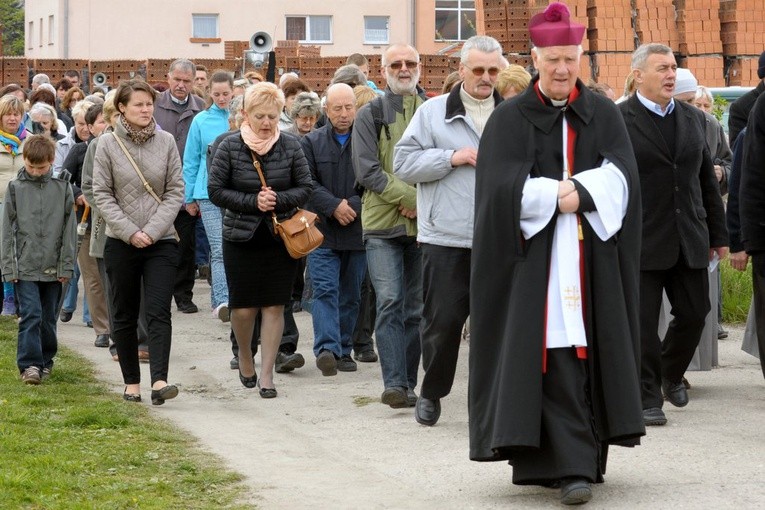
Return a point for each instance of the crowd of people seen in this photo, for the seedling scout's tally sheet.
(547, 211)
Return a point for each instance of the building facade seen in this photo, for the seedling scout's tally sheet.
(98, 30)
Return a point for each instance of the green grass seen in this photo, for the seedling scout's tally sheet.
(70, 443)
(736, 293)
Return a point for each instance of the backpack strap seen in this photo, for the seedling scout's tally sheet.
(378, 117)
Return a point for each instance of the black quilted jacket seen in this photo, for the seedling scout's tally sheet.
(233, 183)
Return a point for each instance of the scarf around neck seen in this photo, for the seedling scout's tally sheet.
(260, 146)
(13, 141)
(137, 136)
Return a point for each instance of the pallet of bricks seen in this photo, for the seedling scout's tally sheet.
(290, 55)
(434, 70)
(55, 68)
(15, 70)
(698, 30)
(743, 39)
(610, 38)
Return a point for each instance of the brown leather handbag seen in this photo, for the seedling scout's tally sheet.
(299, 232)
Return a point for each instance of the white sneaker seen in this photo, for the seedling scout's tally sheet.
(222, 312)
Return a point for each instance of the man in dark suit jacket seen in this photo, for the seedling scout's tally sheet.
(740, 108)
(683, 217)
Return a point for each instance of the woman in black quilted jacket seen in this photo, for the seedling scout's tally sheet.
(259, 270)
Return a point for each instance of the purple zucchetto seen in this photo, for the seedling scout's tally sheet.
(553, 27)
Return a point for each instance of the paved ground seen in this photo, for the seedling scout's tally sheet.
(327, 442)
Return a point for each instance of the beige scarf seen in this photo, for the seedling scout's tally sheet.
(258, 145)
(138, 136)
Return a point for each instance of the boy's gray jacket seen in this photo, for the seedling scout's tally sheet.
(445, 195)
(39, 229)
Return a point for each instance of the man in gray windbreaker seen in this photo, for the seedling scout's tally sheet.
(438, 152)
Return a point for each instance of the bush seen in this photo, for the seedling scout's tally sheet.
(736, 293)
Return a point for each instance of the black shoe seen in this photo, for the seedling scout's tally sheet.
(102, 341)
(65, 316)
(297, 307)
(411, 398)
(89, 324)
(721, 333)
(366, 356)
(395, 397)
(575, 491)
(327, 363)
(158, 397)
(187, 307)
(654, 416)
(346, 364)
(131, 397)
(234, 363)
(248, 382)
(427, 411)
(675, 393)
(266, 392)
(203, 272)
(286, 362)
(686, 384)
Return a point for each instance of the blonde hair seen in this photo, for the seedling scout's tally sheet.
(110, 109)
(263, 94)
(10, 103)
(512, 76)
(364, 94)
(80, 108)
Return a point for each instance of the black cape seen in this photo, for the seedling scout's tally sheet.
(509, 278)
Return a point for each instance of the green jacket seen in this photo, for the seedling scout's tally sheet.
(373, 164)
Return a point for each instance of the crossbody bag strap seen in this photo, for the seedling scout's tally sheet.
(256, 163)
(146, 184)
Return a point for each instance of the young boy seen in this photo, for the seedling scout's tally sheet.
(38, 235)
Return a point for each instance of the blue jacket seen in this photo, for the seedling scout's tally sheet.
(205, 127)
(333, 180)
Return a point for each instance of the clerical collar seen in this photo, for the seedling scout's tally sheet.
(656, 107)
(467, 98)
(558, 103)
(178, 101)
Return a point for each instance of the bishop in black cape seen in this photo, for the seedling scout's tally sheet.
(523, 138)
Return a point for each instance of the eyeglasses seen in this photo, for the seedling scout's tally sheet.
(479, 71)
(409, 64)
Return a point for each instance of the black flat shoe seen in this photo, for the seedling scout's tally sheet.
(248, 382)
(131, 397)
(158, 397)
(266, 392)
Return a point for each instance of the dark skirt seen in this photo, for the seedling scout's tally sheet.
(259, 272)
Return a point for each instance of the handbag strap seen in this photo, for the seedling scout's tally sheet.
(256, 163)
(146, 184)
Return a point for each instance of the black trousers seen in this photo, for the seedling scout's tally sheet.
(446, 306)
(365, 323)
(186, 226)
(126, 267)
(143, 333)
(688, 293)
(758, 283)
(568, 446)
(289, 336)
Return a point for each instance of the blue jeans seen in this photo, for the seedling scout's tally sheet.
(336, 277)
(72, 292)
(395, 268)
(213, 221)
(38, 303)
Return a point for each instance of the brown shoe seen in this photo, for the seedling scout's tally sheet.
(143, 356)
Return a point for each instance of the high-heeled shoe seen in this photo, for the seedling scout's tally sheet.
(131, 397)
(266, 392)
(248, 382)
(158, 397)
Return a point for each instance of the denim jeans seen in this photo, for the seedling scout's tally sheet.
(336, 276)
(395, 268)
(37, 344)
(71, 290)
(213, 221)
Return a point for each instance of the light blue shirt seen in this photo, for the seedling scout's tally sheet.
(655, 107)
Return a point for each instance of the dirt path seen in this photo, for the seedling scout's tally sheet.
(327, 442)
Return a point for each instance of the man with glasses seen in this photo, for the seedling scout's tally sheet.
(554, 283)
(438, 153)
(388, 218)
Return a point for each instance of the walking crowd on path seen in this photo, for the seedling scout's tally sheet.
(549, 218)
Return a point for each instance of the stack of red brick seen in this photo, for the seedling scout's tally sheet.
(743, 38)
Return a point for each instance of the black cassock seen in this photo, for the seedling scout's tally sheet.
(512, 405)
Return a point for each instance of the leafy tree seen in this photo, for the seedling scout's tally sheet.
(12, 21)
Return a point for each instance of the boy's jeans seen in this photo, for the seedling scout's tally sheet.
(37, 344)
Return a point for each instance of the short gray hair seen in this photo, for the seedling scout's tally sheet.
(306, 104)
(40, 79)
(183, 64)
(482, 43)
(640, 56)
(703, 91)
(349, 74)
(41, 108)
